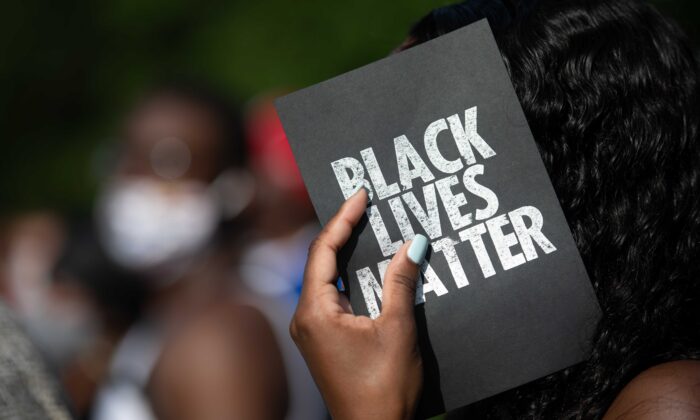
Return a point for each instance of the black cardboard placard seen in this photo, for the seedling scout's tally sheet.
(437, 134)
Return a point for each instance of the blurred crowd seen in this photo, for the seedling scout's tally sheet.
(172, 298)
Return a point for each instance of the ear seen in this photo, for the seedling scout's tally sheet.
(235, 189)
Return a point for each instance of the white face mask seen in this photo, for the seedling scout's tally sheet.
(144, 226)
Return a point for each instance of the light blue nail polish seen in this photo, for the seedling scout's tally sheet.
(419, 246)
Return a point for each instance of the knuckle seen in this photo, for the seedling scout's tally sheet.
(294, 329)
(317, 244)
(406, 281)
(313, 246)
(300, 327)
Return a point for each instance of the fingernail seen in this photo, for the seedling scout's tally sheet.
(369, 199)
(419, 246)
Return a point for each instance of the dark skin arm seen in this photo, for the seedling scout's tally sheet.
(224, 365)
(379, 362)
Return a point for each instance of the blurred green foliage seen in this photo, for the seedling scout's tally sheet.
(69, 69)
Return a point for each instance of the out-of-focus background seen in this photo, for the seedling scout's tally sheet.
(69, 69)
(147, 191)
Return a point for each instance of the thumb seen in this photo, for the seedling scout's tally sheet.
(401, 278)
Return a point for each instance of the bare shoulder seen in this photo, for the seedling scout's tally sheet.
(224, 363)
(228, 330)
(666, 391)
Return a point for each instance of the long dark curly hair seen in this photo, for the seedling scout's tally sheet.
(611, 92)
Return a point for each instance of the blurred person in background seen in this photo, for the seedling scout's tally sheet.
(56, 318)
(116, 296)
(281, 228)
(71, 301)
(43, 325)
(170, 211)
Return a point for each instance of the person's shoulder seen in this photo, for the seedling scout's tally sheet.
(668, 390)
(226, 325)
(225, 358)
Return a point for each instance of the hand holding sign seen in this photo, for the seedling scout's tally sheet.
(440, 142)
(364, 368)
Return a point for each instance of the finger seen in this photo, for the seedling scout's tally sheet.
(321, 264)
(401, 278)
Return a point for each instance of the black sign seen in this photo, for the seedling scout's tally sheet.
(437, 135)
